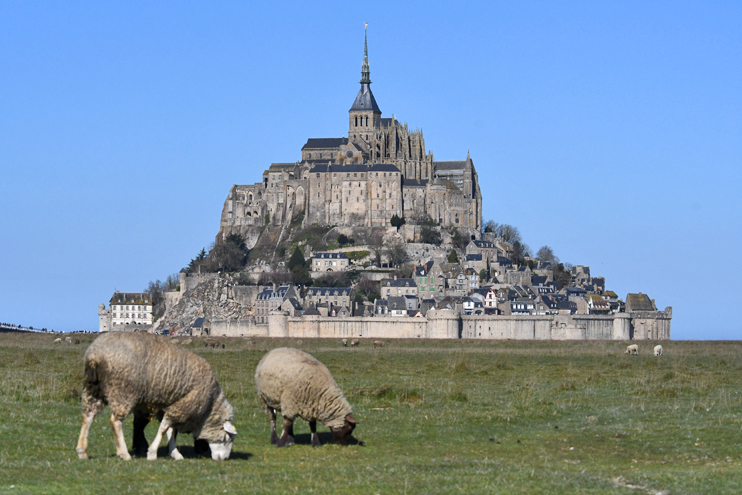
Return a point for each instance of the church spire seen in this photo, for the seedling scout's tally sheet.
(365, 72)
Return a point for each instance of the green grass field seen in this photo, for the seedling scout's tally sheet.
(435, 417)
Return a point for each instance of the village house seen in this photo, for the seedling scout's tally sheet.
(269, 299)
(330, 262)
(398, 287)
(332, 296)
(429, 279)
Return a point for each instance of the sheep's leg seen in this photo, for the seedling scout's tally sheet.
(274, 436)
(118, 437)
(287, 436)
(171, 449)
(91, 411)
(315, 437)
(152, 451)
(139, 441)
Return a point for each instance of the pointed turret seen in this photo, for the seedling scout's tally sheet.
(365, 114)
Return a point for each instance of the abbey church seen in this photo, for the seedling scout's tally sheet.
(379, 170)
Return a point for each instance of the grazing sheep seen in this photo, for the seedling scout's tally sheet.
(632, 349)
(68, 340)
(378, 343)
(296, 384)
(658, 350)
(354, 342)
(213, 343)
(135, 371)
(345, 342)
(58, 340)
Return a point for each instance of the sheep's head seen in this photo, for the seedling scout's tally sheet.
(219, 430)
(221, 448)
(342, 434)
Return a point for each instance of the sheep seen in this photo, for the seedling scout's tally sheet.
(344, 342)
(58, 340)
(632, 349)
(354, 342)
(296, 384)
(213, 343)
(68, 340)
(135, 371)
(378, 343)
(658, 350)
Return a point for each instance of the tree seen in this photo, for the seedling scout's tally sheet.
(490, 226)
(343, 239)
(297, 259)
(520, 252)
(458, 240)
(545, 253)
(430, 235)
(397, 253)
(562, 277)
(196, 262)
(508, 233)
(229, 255)
(453, 257)
(367, 287)
(396, 221)
(482, 275)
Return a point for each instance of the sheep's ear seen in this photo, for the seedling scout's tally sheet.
(350, 419)
(229, 428)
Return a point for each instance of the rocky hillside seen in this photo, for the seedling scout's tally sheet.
(212, 299)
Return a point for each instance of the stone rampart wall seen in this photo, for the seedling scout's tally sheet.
(443, 325)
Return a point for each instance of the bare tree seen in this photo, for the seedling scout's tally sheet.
(397, 253)
(546, 254)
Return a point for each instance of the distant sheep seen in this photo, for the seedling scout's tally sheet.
(345, 342)
(632, 349)
(213, 343)
(58, 340)
(135, 371)
(354, 342)
(658, 350)
(297, 385)
(68, 340)
(378, 343)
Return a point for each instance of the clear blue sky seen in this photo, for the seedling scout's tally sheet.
(611, 131)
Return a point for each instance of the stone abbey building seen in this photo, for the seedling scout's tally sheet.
(379, 170)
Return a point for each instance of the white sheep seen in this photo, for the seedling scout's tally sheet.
(658, 350)
(378, 343)
(136, 371)
(354, 342)
(344, 342)
(632, 349)
(296, 384)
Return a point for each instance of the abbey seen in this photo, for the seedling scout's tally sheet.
(379, 170)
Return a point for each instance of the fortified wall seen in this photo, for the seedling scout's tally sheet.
(448, 325)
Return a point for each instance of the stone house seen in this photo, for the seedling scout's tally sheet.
(330, 262)
(398, 287)
(397, 305)
(292, 306)
(487, 249)
(129, 308)
(596, 305)
(475, 261)
(332, 296)
(429, 279)
(269, 299)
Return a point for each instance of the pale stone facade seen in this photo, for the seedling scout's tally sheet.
(126, 311)
(380, 170)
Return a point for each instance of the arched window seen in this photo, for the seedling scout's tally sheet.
(366, 121)
(356, 120)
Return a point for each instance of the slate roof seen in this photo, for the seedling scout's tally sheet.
(279, 167)
(294, 303)
(423, 270)
(504, 261)
(323, 143)
(454, 165)
(198, 323)
(415, 183)
(538, 280)
(331, 256)
(397, 302)
(400, 282)
(473, 257)
(130, 298)
(484, 244)
(328, 291)
(378, 167)
(311, 311)
(365, 100)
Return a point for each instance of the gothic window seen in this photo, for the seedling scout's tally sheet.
(367, 125)
(356, 120)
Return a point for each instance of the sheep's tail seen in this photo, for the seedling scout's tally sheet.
(92, 380)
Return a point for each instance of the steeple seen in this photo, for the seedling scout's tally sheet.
(365, 72)
(364, 115)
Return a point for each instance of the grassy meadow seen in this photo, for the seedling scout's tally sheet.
(434, 417)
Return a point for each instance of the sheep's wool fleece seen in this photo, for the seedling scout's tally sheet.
(136, 370)
(296, 384)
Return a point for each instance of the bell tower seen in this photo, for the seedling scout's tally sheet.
(364, 115)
